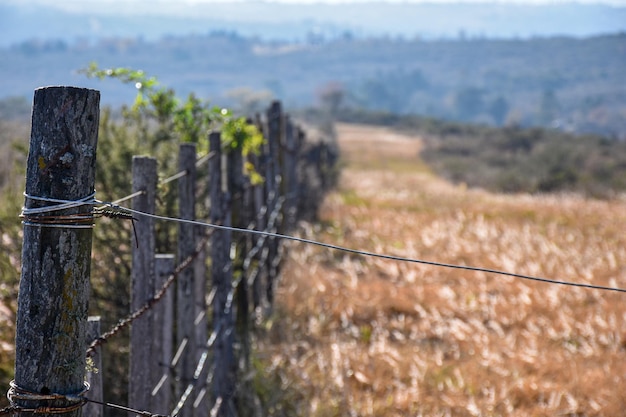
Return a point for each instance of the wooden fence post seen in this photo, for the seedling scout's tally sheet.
(237, 187)
(94, 371)
(290, 175)
(259, 196)
(201, 402)
(221, 274)
(274, 134)
(240, 218)
(142, 376)
(50, 341)
(185, 303)
(164, 265)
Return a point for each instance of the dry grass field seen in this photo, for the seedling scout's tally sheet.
(358, 336)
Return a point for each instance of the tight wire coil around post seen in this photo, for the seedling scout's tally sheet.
(45, 217)
(17, 393)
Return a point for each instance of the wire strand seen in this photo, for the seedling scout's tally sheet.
(124, 408)
(60, 204)
(174, 177)
(375, 255)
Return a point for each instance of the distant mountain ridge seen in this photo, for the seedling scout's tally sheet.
(559, 65)
(46, 20)
(573, 84)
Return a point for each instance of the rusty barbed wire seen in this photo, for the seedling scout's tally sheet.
(125, 322)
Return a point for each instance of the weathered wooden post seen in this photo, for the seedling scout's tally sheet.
(221, 274)
(164, 327)
(142, 376)
(185, 304)
(290, 175)
(238, 186)
(259, 195)
(50, 340)
(274, 134)
(201, 404)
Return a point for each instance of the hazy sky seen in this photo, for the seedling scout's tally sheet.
(182, 2)
(135, 4)
(618, 2)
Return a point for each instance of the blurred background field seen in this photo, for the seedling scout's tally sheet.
(361, 336)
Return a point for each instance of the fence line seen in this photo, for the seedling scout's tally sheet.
(233, 199)
(233, 202)
(245, 255)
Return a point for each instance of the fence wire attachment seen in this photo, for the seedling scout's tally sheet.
(113, 211)
(44, 216)
(17, 393)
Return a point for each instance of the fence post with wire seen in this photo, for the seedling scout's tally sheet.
(161, 394)
(142, 375)
(275, 131)
(54, 291)
(189, 347)
(185, 303)
(221, 273)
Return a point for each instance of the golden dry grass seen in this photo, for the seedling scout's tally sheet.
(361, 336)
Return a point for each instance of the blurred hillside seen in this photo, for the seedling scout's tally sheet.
(576, 85)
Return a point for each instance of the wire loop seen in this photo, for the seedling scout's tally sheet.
(44, 216)
(17, 393)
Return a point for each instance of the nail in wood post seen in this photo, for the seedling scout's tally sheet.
(94, 371)
(185, 305)
(142, 334)
(161, 402)
(50, 340)
(221, 273)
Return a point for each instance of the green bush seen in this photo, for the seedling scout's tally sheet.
(512, 159)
